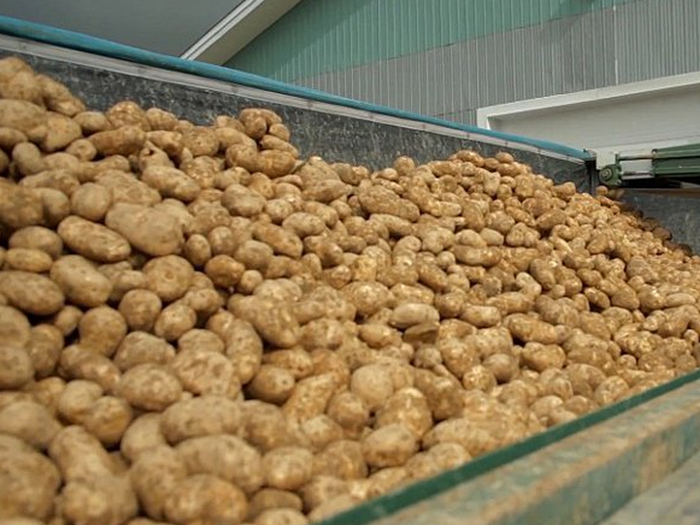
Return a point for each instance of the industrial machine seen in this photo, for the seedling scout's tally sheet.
(672, 167)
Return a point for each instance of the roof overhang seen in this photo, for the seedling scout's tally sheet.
(233, 32)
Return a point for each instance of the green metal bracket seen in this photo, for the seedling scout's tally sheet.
(611, 175)
(679, 161)
(673, 164)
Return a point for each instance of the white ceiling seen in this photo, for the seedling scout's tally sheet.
(164, 26)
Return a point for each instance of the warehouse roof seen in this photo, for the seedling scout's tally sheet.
(210, 30)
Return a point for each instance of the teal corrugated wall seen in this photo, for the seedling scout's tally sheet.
(448, 58)
(320, 36)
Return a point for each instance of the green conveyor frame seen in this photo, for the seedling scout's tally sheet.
(675, 164)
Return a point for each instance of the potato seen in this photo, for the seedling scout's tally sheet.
(113, 497)
(108, 419)
(174, 320)
(504, 367)
(310, 397)
(475, 438)
(197, 250)
(23, 85)
(206, 498)
(60, 132)
(443, 456)
(21, 115)
(320, 431)
(140, 309)
(82, 149)
(29, 480)
(150, 386)
(142, 435)
(78, 363)
(154, 475)
(27, 260)
(287, 468)
(201, 416)
(151, 231)
(272, 384)
(58, 180)
(373, 384)
(410, 314)
(287, 516)
(102, 329)
(409, 408)
(122, 141)
(529, 329)
(227, 457)
(56, 205)
(61, 160)
(171, 183)
(80, 456)
(15, 329)
(31, 293)
(278, 326)
(441, 393)
(30, 421)
(37, 238)
(80, 281)
(267, 426)
(168, 141)
(20, 207)
(343, 459)
(169, 277)
(92, 122)
(10, 137)
(273, 163)
(27, 157)
(111, 173)
(76, 400)
(389, 446)
(203, 372)
(15, 367)
(91, 202)
(159, 119)
(67, 319)
(58, 97)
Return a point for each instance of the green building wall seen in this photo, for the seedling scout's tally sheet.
(449, 57)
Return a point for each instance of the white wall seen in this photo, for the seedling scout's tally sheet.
(629, 118)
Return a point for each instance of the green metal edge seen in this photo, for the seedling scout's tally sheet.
(391, 503)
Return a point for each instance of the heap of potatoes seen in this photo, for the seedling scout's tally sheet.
(198, 327)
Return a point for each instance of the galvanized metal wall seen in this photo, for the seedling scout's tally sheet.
(448, 58)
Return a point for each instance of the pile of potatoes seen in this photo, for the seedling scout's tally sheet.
(199, 327)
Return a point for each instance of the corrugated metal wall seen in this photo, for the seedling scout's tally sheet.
(448, 58)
